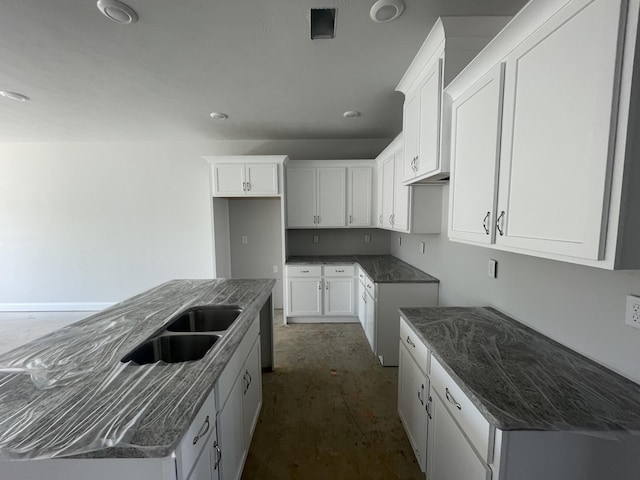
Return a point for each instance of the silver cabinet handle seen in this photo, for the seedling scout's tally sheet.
(500, 223)
(202, 432)
(364, 297)
(421, 395)
(244, 186)
(320, 285)
(380, 219)
(417, 158)
(340, 271)
(390, 219)
(326, 286)
(451, 399)
(410, 342)
(350, 219)
(304, 271)
(248, 186)
(218, 455)
(485, 222)
(318, 219)
(247, 379)
(429, 407)
(369, 286)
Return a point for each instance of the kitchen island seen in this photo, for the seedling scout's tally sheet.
(68, 396)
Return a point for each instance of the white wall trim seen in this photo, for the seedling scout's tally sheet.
(54, 307)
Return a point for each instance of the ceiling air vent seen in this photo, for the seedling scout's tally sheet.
(323, 23)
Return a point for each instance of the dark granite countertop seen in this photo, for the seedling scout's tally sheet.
(522, 380)
(380, 268)
(99, 407)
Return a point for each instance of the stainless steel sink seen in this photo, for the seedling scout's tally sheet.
(214, 318)
(172, 349)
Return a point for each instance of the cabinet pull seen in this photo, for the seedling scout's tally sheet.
(369, 286)
(304, 271)
(380, 219)
(218, 455)
(326, 286)
(410, 342)
(429, 407)
(250, 379)
(421, 395)
(248, 186)
(340, 271)
(202, 433)
(364, 297)
(350, 219)
(318, 219)
(320, 285)
(485, 222)
(244, 186)
(390, 219)
(451, 399)
(500, 223)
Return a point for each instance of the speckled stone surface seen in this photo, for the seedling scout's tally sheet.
(379, 268)
(97, 406)
(521, 380)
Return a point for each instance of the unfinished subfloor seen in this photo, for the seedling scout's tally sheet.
(329, 410)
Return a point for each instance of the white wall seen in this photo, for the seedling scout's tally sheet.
(259, 220)
(222, 249)
(581, 307)
(100, 222)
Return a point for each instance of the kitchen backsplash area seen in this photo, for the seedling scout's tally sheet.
(338, 242)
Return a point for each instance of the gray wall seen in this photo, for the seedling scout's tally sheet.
(581, 307)
(259, 220)
(221, 247)
(338, 242)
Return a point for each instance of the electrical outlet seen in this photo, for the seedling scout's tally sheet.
(245, 240)
(493, 269)
(633, 311)
(316, 239)
(421, 247)
(367, 238)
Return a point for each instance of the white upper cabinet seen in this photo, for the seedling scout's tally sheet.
(331, 191)
(242, 176)
(403, 208)
(336, 196)
(359, 191)
(451, 44)
(564, 181)
(475, 137)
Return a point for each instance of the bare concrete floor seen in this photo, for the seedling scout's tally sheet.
(329, 410)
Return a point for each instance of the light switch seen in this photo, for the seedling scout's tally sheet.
(421, 247)
(245, 240)
(493, 269)
(367, 238)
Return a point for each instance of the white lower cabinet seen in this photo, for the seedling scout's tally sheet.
(320, 291)
(239, 392)
(207, 466)
(451, 456)
(413, 393)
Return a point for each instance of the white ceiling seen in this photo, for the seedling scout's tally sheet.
(94, 80)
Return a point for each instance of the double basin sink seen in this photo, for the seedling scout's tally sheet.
(186, 337)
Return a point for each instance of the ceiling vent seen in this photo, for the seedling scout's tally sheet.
(323, 23)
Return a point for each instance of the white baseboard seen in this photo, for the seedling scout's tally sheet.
(54, 307)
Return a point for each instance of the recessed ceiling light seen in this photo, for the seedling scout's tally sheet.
(18, 97)
(386, 10)
(218, 115)
(351, 114)
(117, 11)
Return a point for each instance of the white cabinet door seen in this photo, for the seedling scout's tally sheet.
(411, 132)
(476, 122)
(388, 186)
(428, 156)
(231, 433)
(361, 304)
(301, 197)
(359, 197)
(401, 203)
(450, 455)
(560, 92)
(205, 468)
(252, 401)
(370, 321)
(262, 179)
(413, 392)
(331, 187)
(304, 296)
(338, 296)
(229, 180)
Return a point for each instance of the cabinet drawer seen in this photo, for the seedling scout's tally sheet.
(471, 421)
(338, 271)
(362, 276)
(304, 271)
(196, 437)
(414, 344)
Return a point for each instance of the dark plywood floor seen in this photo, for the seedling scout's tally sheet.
(329, 411)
